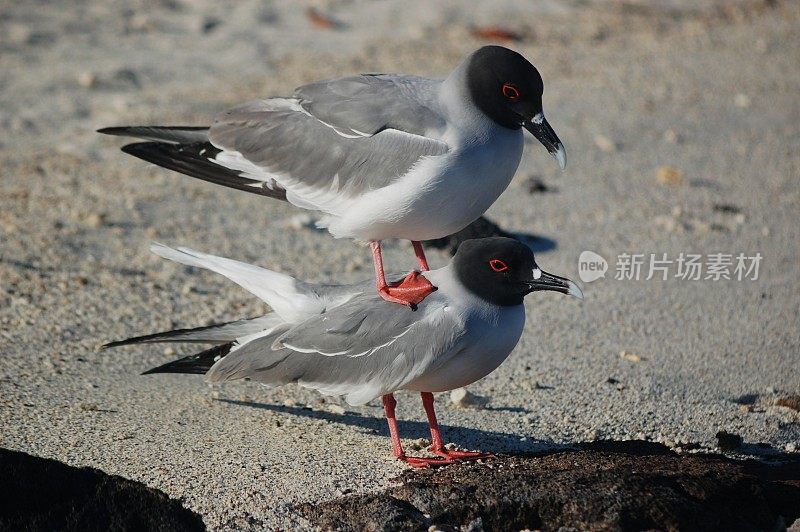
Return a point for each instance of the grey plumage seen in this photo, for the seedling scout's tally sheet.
(346, 340)
(355, 134)
(337, 339)
(378, 156)
(359, 327)
(270, 134)
(370, 103)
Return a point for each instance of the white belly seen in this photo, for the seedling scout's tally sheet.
(487, 343)
(441, 196)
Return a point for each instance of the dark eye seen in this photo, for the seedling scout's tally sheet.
(498, 265)
(511, 92)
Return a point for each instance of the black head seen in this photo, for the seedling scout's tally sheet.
(508, 89)
(503, 271)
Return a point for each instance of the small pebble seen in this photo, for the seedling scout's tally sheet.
(462, 398)
(418, 444)
(672, 137)
(300, 221)
(95, 219)
(336, 409)
(605, 143)
(86, 79)
(669, 175)
(630, 357)
(742, 101)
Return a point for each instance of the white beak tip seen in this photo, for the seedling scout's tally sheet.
(574, 290)
(560, 155)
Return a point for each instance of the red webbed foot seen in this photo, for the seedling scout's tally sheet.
(411, 291)
(461, 456)
(424, 462)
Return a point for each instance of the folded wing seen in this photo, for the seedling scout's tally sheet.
(361, 349)
(277, 141)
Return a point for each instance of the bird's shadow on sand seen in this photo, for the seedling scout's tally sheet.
(537, 243)
(465, 437)
(485, 228)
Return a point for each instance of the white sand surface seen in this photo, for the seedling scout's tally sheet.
(707, 88)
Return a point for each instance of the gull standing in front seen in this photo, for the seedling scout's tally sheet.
(344, 340)
(378, 155)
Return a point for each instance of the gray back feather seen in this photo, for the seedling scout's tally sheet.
(386, 347)
(300, 151)
(353, 329)
(372, 102)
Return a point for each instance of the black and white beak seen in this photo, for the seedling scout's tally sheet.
(541, 280)
(540, 129)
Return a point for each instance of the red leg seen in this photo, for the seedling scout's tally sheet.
(420, 253)
(437, 444)
(389, 404)
(409, 292)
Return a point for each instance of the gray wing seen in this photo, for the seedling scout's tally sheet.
(362, 350)
(317, 162)
(357, 328)
(367, 104)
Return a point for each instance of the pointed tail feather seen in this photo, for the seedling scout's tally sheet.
(195, 160)
(211, 334)
(186, 149)
(289, 298)
(197, 364)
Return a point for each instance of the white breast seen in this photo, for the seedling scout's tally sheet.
(491, 332)
(443, 194)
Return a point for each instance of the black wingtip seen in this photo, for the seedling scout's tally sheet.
(118, 343)
(176, 335)
(137, 149)
(195, 159)
(113, 130)
(127, 131)
(198, 364)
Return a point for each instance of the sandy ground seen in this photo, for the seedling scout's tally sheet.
(706, 89)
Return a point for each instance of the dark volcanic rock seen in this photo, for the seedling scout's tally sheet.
(600, 486)
(42, 494)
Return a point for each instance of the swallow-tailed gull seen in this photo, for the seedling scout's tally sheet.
(378, 155)
(345, 340)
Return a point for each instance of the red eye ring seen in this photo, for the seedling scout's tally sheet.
(498, 265)
(511, 91)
